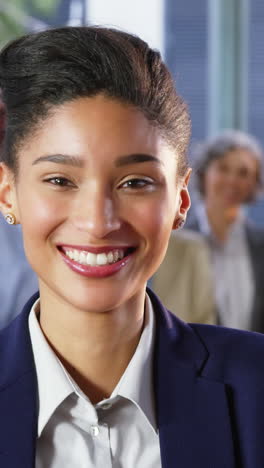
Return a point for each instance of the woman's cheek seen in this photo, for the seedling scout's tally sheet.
(39, 215)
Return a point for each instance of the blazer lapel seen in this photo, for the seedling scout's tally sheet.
(192, 411)
(18, 395)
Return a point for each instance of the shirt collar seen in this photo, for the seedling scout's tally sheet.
(55, 384)
(136, 384)
(202, 219)
(237, 228)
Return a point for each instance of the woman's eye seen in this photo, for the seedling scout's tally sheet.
(137, 183)
(60, 181)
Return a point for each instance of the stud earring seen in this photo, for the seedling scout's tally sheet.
(10, 218)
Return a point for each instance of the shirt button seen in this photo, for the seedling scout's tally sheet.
(94, 431)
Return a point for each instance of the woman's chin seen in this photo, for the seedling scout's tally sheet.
(96, 301)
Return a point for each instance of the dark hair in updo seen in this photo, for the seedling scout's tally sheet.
(41, 71)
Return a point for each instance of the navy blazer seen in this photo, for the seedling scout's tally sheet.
(209, 390)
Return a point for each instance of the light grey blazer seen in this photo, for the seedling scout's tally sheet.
(184, 279)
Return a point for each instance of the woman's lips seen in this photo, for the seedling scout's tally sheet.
(102, 262)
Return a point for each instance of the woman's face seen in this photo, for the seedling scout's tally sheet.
(230, 180)
(97, 196)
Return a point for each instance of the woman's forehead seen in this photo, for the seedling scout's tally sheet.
(96, 120)
(241, 156)
(95, 128)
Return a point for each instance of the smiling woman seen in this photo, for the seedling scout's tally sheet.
(94, 169)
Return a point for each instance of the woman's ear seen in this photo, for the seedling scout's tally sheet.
(7, 191)
(184, 203)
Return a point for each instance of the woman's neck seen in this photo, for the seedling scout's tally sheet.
(221, 220)
(95, 348)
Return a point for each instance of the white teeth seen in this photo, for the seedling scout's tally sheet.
(121, 254)
(116, 256)
(82, 258)
(92, 259)
(110, 257)
(101, 259)
(76, 255)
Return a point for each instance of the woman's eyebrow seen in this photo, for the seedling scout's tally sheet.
(60, 159)
(78, 162)
(136, 158)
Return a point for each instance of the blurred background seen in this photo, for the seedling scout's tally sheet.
(214, 49)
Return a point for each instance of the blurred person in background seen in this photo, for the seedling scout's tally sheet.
(184, 279)
(18, 281)
(228, 171)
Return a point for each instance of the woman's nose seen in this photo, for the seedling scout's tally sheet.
(230, 177)
(97, 214)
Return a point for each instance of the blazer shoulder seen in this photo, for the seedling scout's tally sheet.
(188, 236)
(16, 355)
(235, 356)
(188, 244)
(255, 234)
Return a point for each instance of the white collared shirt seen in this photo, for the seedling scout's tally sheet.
(233, 275)
(117, 432)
